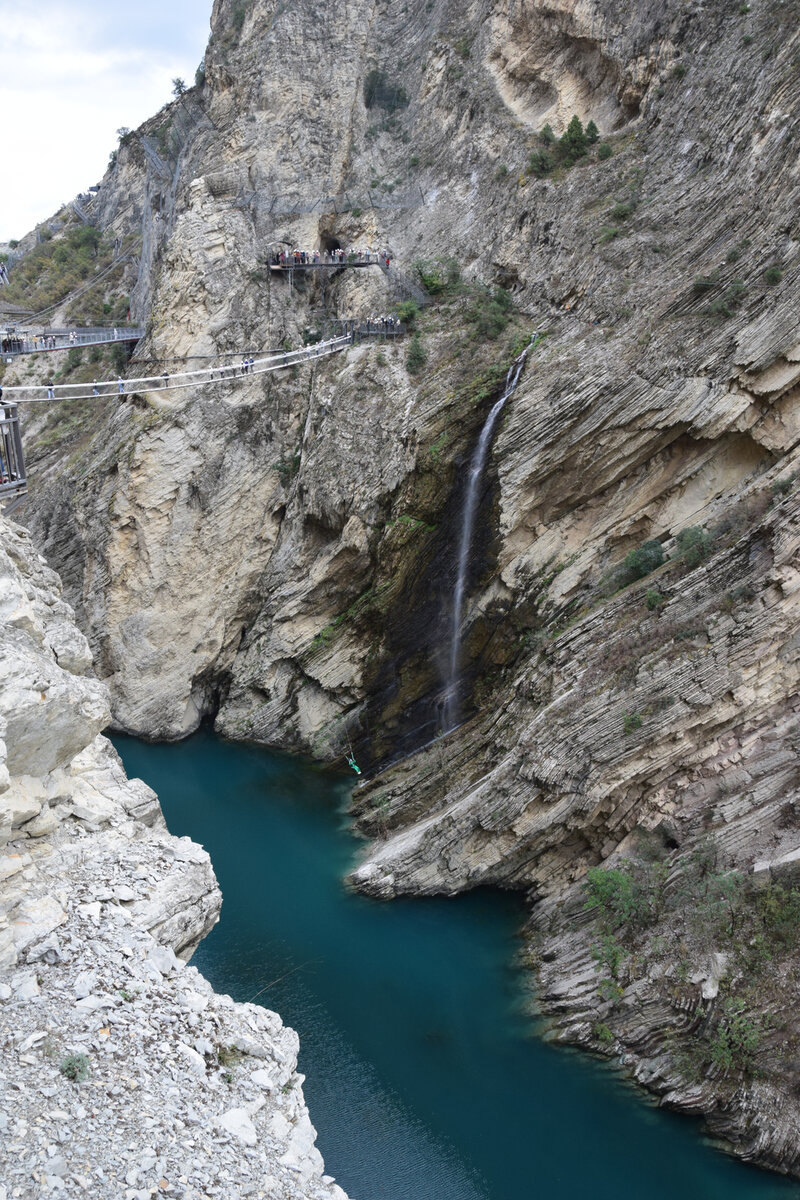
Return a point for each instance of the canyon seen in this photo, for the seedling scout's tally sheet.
(278, 555)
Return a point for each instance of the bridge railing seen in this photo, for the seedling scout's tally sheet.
(50, 339)
(169, 382)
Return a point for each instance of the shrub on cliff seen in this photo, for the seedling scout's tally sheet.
(726, 304)
(438, 275)
(625, 896)
(778, 910)
(565, 151)
(694, 545)
(75, 1067)
(488, 313)
(540, 164)
(644, 559)
(737, 1038)
(407, 312)
(624, 209)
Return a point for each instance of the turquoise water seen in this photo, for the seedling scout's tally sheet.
(423, 1078)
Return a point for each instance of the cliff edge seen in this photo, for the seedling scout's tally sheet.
(123, 1074)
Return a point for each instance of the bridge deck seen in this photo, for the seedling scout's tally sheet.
(320, 266)
(12, 345)
(221, 373)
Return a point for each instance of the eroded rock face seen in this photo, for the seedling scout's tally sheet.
(215, 536)
(100, 908)
(280, 554)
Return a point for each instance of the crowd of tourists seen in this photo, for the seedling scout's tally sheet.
(336, 257)
(12, 342)
(386, 324)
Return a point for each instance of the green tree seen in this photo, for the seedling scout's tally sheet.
(546, 135)
(178, 87)
(489, 313)
(592, 133)
(609, 954)
(644, 559)
(573, 140)
(604, 151)
(540, 163)
(417, 355)
(737, 1039)
(407, 312)
(694, 545)
(620, 897)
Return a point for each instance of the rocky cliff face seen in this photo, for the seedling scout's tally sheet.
(115, 1050)
(281, 554)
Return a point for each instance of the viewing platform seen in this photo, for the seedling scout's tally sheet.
(320, 266)
(13, 342)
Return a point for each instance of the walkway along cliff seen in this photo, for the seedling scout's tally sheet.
(629, 663)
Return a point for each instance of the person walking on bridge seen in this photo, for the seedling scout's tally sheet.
(51, 391)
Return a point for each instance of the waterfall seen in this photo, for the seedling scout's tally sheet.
(476, 468)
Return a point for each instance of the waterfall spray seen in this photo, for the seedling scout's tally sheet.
(476, 469)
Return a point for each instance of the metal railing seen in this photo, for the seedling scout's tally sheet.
(12, 344)
(12, 460)
(221, 373)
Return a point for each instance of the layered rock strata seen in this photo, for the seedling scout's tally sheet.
(305, 496)
(280, 554)
(124, 1074)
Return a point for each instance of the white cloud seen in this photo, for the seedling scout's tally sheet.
(70, 76)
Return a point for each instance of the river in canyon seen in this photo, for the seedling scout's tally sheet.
(425, 1077)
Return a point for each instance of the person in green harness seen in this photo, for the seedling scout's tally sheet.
(351, 758)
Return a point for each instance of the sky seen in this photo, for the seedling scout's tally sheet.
(72, 72)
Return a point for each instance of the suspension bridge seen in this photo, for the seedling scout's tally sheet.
(173, 381)
(13, 481)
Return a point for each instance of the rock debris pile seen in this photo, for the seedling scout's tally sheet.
(123, 1074)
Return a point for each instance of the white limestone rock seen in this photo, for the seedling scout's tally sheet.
(98, 896)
